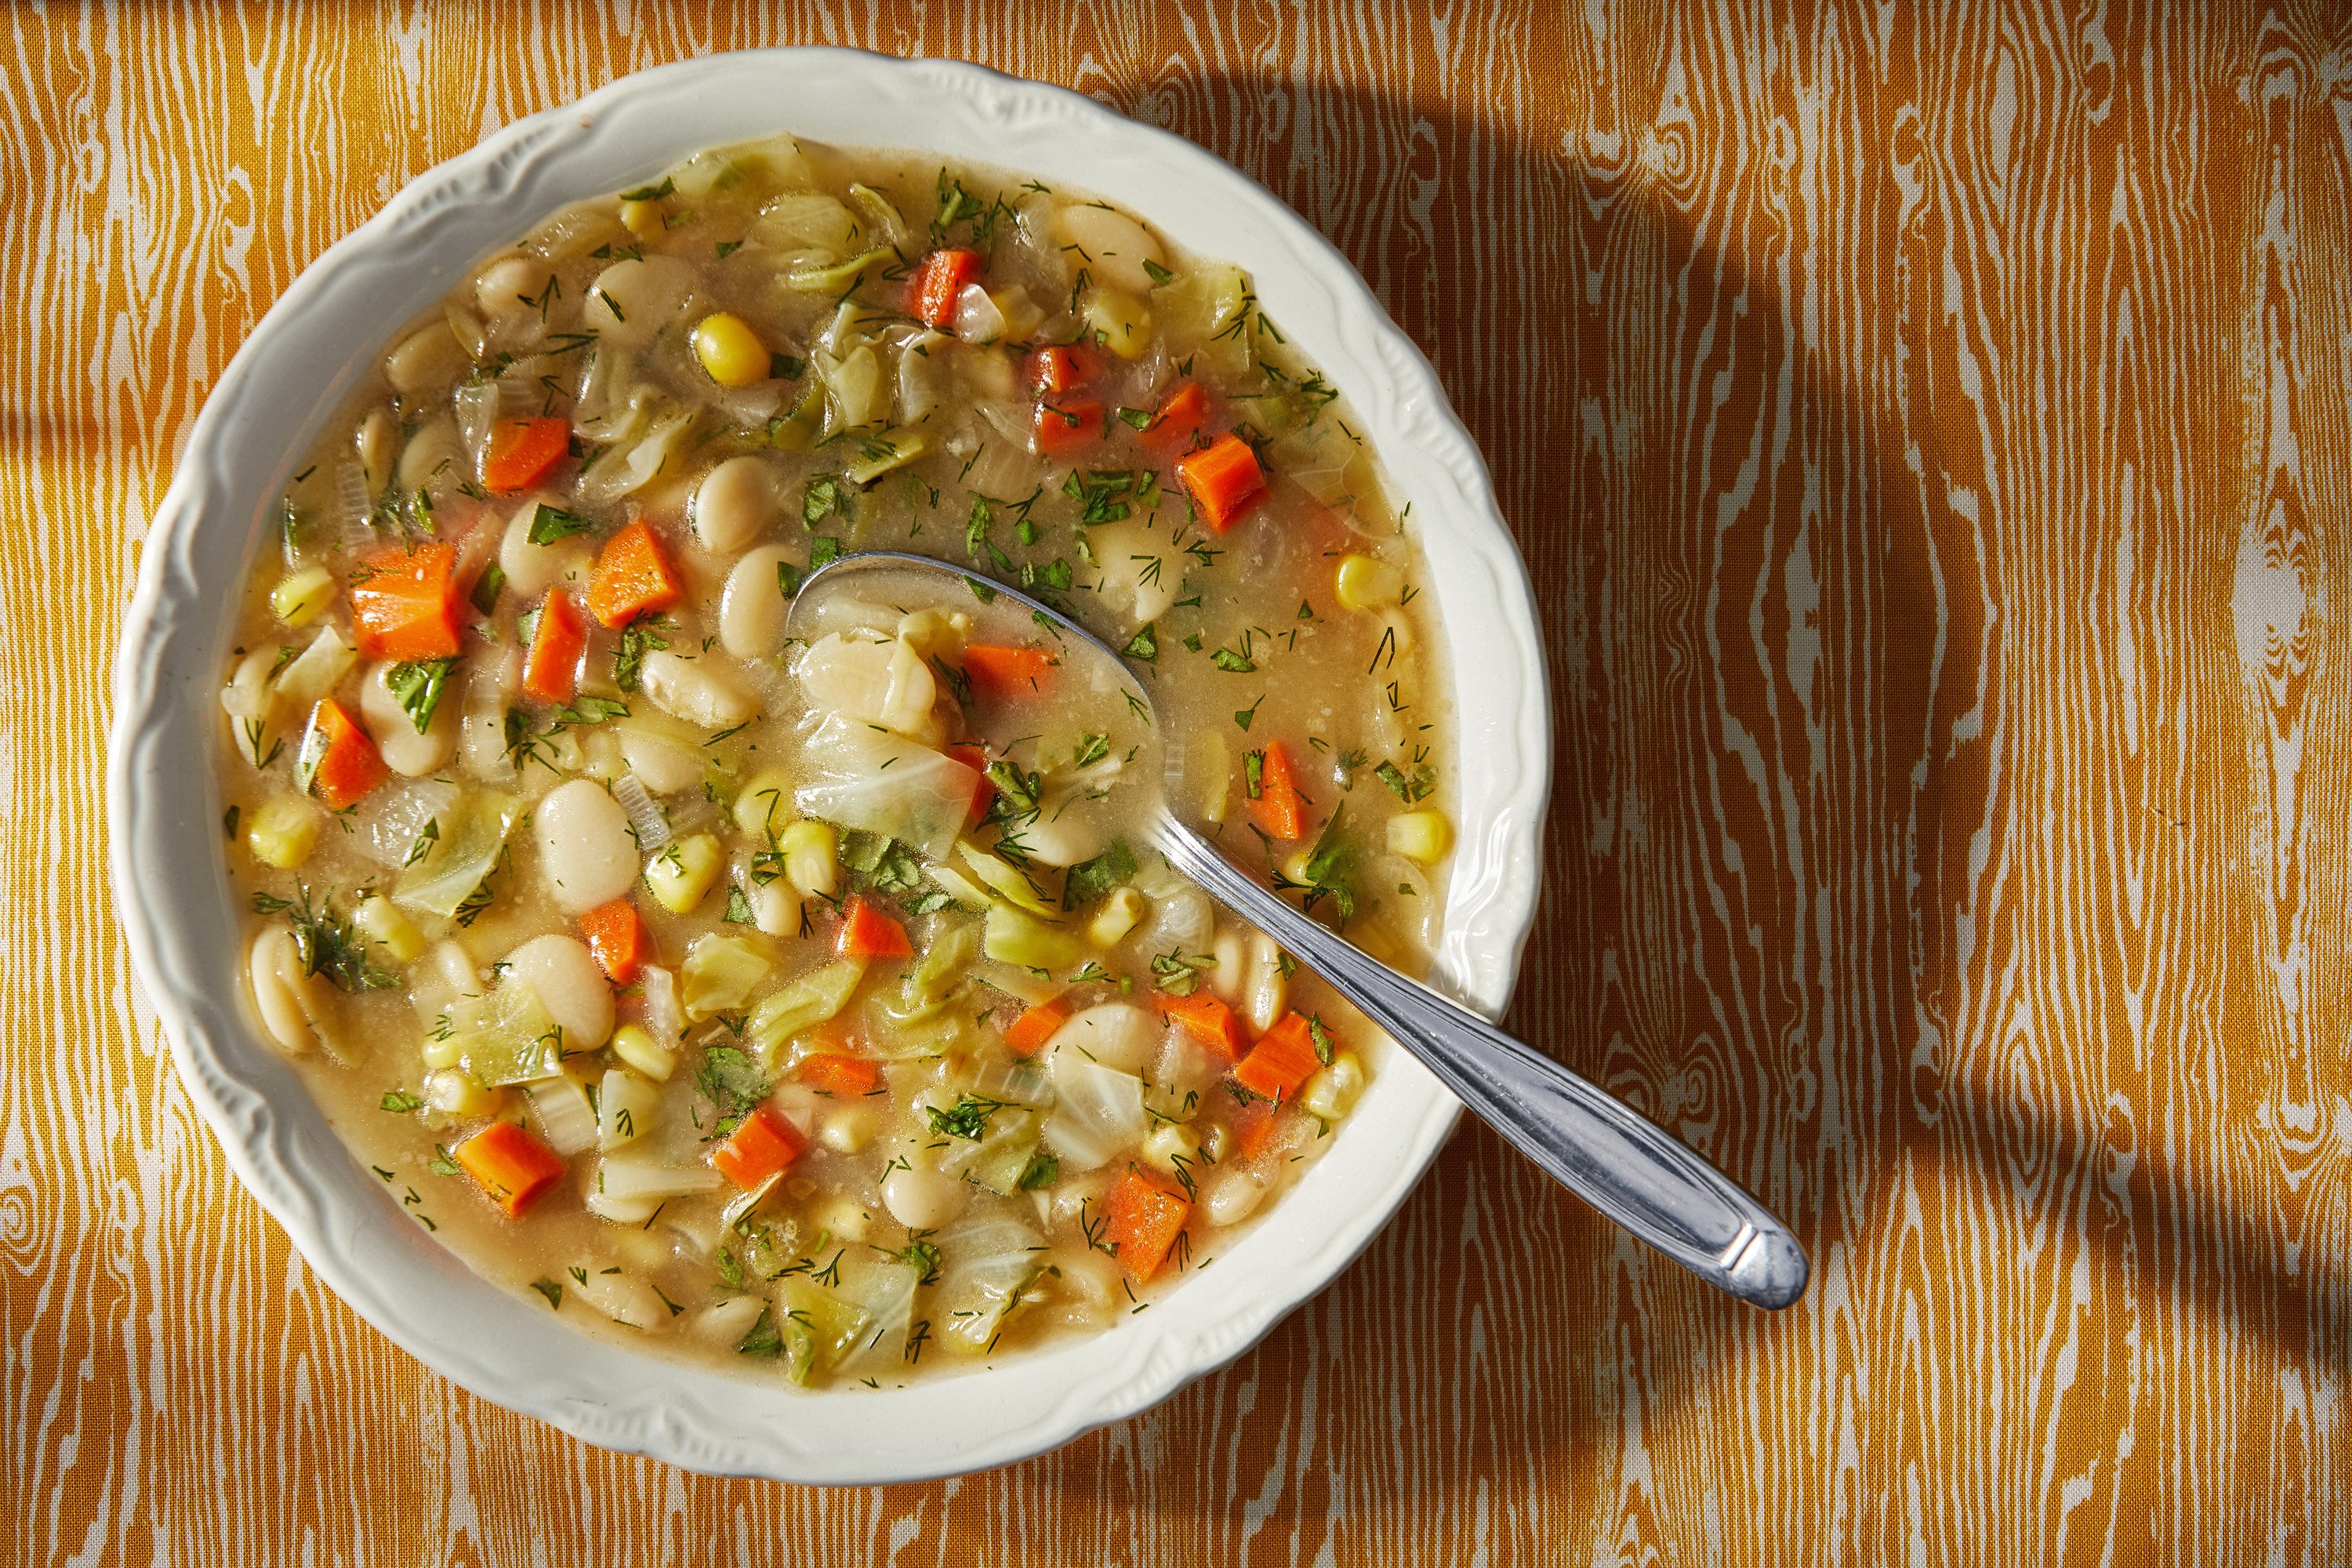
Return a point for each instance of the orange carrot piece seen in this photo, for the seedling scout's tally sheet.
(522, 451)
(616, 935)
(844, 1078)
(336, 760)
(1207, 1020)
(1283, 1059)
(405, 603)
(998, 672)
(1056, 370)
(1180, 419)
(509, 1166)
(552, 670)
(762, 1145)
(1278, 806)
(1145, 1218)
(943, 275)
(867, 932)
(1224, 478)
(634, 577)
(1063, 432)
(1030, 1031)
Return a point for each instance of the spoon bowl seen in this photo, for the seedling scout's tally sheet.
(1600, 1149)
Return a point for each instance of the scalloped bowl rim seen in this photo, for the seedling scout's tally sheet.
(165, 847)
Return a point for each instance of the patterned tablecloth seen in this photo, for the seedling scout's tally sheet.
(1930, 439)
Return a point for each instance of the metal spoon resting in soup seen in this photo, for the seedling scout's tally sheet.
(1607, 1154)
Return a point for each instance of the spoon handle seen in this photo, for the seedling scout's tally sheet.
(1614, 1159)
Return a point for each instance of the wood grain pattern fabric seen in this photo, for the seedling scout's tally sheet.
(1930, 432)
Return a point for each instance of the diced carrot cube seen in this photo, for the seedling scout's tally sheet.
(942, 277)
(634, 577)
(1278, 806)
(1283, 1059)
(336, 760)
(405, 603)
(867, 932)
(511, 1167)
(763, 1144)
(1058, 369)
(522, 451)
(551, 672)
(1063, 432)
(844, 1078)
(616, 935)
(1174, 428)
(1145, 1218)
(1224, 478)
(997, 672)
(1029, 1032)
(1207, 1019)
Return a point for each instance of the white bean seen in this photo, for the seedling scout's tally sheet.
(626, 1300)
(1114, 1035)
(663, 766)
(1110, 244)
(247, 694)
(632, 299)
(586, 852)
(923, 1200)
(1267, 987)
(698, 690)
(406, 749)
(733, 503)
(562, 973)
(424, 360)
(281, 991)
(378, 442)
(437, 452)
(1231, 974)
(1232, 1197)
(503, 284)
(532, 569)
(752, 606)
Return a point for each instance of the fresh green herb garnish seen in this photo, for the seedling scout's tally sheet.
(416, 686)
(550, 523)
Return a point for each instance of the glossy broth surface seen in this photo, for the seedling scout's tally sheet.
(808, 1006)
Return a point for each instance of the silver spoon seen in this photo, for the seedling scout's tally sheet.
(1604, 1152)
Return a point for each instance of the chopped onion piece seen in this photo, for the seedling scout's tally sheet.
(645, 816)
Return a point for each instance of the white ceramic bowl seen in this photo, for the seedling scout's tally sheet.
(167, 846)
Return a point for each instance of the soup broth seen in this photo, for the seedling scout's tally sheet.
(809, 1006)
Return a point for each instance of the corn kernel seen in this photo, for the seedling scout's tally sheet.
(298, 598)
(381, 922)
(284, 832)
(635, 1044)
(684, 872)
(1119, 323)
(443, 1050)
(1170, 1143)
(1422, 835)
(642, 219)
(1366, 584)
(731, 351)
(1119, 914)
